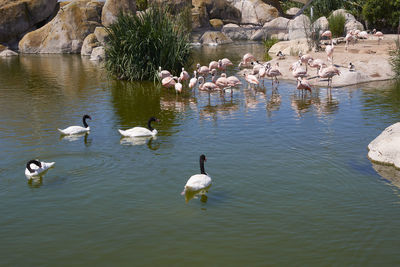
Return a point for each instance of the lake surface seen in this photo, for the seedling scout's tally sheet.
(292, 184)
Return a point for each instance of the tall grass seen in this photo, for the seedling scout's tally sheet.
(137, 45)
(268, 43)
(336, 25)
(395, 60)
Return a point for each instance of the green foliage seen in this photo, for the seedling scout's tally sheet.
(268, 43)
(138, 45)
(336, 25)
(141, 4)
(325, 7)
(395, 60)
(382, 14)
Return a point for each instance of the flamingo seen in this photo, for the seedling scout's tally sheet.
(168, 81)
(303, 84)
(247, 58)
(251, 79)
(362, 35)
(305, 58)
(178, 86)
(329, 52)
(184, 75)
(222, 81)
(202, 70)
(213, 65)
(274, 72)
(378, 34)
(208, 86)
(327, 34)
(163, 73)
(226, 62)
(328, 72)
(256, 67)
(316, 63)
(349, 37)
(234, 81)
(298, 71)
(193, 81)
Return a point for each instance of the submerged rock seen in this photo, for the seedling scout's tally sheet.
(8, 53)
(19, 16)
(89, 44)
(211, 37)
(386, 147)
(98, 54)
(216, 23)
(66, 32)
(112, 8)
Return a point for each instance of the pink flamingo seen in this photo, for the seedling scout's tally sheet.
(349, 38)
(305, 58)
(168, 82)
(193, 81)
(208, 86)
(362, 35)
(316, 63)
(251, 79)
(329, 52)
(298, 71)
(184, 75)
(163, 73)
(303, 84)
(213, 65)
(178, 86)
(328, 72)
(222, 81)
(247, 58)
(378, 34)
(274, 72)
(327, 34)
(202, 70)
(233, 81)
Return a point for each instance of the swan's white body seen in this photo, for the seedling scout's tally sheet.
(74, 130)
(38, 170)
(138, 132)
(197, 182)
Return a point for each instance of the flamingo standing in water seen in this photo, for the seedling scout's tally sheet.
(223, 63)
(163, 73)
(208, 86)
(274, 72)
(213, 65)
(184, 75)
(193, 81)
(328, 72)
(233, 81)
(251, 79)
(168, 82)
(247, 58)
(178, 86)
(203, 70)
(297, 70)
(303, 84)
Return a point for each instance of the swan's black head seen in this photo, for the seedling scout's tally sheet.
(85, 117)
(34, 161)
(154, 119)
(150, 121)
(203, 157)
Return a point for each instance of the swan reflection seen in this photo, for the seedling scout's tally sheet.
(137, 141)
(73, 137)
(189, 195)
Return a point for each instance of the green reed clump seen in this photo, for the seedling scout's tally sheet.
(137, 45)
(395, 60)
(336, 24)
(268, 43)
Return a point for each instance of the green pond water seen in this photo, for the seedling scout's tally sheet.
(292, 184)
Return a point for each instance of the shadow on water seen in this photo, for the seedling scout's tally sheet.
(388, 173)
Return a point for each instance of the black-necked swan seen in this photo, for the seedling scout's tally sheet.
(35, 168)
(198, 181)
(77, 129)
(141, 131)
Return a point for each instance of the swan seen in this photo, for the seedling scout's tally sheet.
(198, 181)
(34, 168)
(77, 129)
(141, 131)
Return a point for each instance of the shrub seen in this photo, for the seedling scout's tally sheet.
(268, 43)
(395, 60)
(141, 4)
(336, 25)
(382, 14)
(138, 45)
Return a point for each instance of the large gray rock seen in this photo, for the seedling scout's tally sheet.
(298, 27)
(215, 37)
(89, 44)
(386, 147)
(254, 11)
(19, 16)
(353, 25)
(200, 16)
(277, 28)
(321, 24)
(292, 11)
(292, 47)
(235, 32)
(66, 32)
(221, 9)
(112, 9)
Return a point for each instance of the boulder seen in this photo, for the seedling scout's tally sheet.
(175, 6)
(259, 35)
(321, 24)
(292, 11)
(200, 17)
(112, 8)
(215, 37)
(66, 32)
(19, 16)
(101, 35)
(89, 44)
(216, 23)
(298, 26)
(386, 147)
(254, 11)
(8, 53)
(235, 32)
(348, 16)
(277, 28)
(221, 9)
(98, 54)
(353, 25)
(292, 47)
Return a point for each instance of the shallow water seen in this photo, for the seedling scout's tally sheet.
(291, 181)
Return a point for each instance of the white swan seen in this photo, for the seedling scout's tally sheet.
(34, 168)
(77, 129)
(198, 181)
(141, 131)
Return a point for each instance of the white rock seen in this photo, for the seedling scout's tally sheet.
(292, 11)
(292, 47)
(353, 25)
(8, 53)
(277, 28)
(255, 11)
(348, 16)
(386, 147)
(98, 54)
(321, 24)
